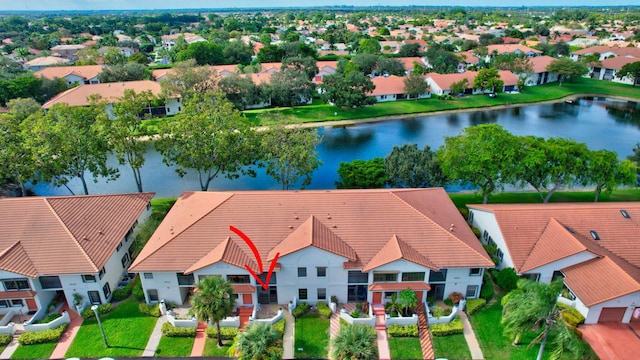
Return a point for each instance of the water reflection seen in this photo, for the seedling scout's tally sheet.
(344, 138)
(624, 112)
(483, 117)
(411, 126)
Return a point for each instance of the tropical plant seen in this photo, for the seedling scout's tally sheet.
(354, 342)
(259, 342)
(407, 300)
(213, 301)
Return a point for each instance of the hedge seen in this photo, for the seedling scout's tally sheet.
(48, 319)
(228, 333)
(507, 279)
(571, 315)
(301, 309)
(454, 327)
(403, 331)
(102, 309)
(279, 326)
(324, 309)
(487, 290)
(121, 294)
(149, 309)
(474, 305)
(137, 291)
(39, 337)
(172, 331)
(5, 339)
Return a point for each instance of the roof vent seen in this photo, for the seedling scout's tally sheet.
(594, 235)
(570, 229)
(625, 214)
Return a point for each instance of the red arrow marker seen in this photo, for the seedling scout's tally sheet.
(265, 284)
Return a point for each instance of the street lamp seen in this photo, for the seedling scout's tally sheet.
(104, 337)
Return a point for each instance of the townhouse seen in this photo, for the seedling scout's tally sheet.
(440, 84)
(73, 75)
(610, 61)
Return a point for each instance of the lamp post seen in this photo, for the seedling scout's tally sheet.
(104, 337)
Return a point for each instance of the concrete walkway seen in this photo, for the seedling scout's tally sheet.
(201, 338)
(67, 338)
(423, 333)
(10, 349)
(381, 332)
(154, 339)
(470, 336)
(288, 340)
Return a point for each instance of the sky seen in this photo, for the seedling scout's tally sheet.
(185, 4)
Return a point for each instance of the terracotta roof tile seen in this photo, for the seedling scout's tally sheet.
(227, 251)
(540, 63)
(511, 48)
(86, 72)
(386, 85)
(16, 260)
(17, 294)
(395, 250)
(618, 62)
(399, 286)
(110, 92)
(598, 280)
(243, 289)
(619, 51)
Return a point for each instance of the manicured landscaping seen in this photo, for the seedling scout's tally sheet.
(35, 351)
(211, 348)
(312, 335)
(451, 347)
(175, 346)
(127, 331)
(405, 348)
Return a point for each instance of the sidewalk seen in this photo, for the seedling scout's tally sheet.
(154, 339)
(10, 349)
(470, 336)
(67, 338)
(288, 339)
(201, 338)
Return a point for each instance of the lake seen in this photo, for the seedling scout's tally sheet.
(600, 123)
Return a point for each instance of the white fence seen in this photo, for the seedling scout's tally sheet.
(270, 321)
(351, 320)
(193, 322)
(50, 325)
(402, 320)
(443, 319)
(8, 316)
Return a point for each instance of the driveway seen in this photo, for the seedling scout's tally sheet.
(613, 340)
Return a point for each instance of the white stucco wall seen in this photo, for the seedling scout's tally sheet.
(485, 220)
(593, 313)
(224, 269)
(173, 106)
(546, 271)
(4, 275)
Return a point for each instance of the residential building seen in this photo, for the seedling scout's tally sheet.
(169, 41)
(74, 75)
(502, 49)
(40, 63)
(356, 245)
(55, 247)
(593, 246)
(605, 52)
(608, 70)
(440, 84)
(67, 51)
(539, 74)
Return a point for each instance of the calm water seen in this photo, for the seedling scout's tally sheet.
(601, 124)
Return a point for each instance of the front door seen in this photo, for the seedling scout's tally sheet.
(269, 296)
(437, 291)
(247, 299)
(377, 297)
(31, 304)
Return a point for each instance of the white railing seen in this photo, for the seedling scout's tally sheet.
(50, 325)
(402, 320)
(564, 300)
(231, 321)
(8, 316)
(443, 319)
(270, 321)
(193, 322)
(351, 320)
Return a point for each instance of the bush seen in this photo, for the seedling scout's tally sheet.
(279, 326)
(121, 294)
(48, 319)
(102, 309)
(403, 331)
(464, 212)
(476, 232)
(447, 312)
(487, 290)
(507, 279)
(474, 305)
(456, 297)
(445, 97)
(448, 302)
(39, 337)
(226, 332)
(571, 315)
(454, 327)
(334, 299)
(5, 339)
(436, 312)
(149, 309)
(355, 313)
(301, 309)
(324, 309)
(172, 331)
(138, 293)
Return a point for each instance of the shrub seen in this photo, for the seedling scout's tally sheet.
(431, 300)
(464, 212)
(149, 309)
(474, 305)
(5, 339)
(226, 332)
(138, 293)
(355, 313)
(324, 309)
(39, 337)
(436, 312)
(334, 299)
(447, 312)
(507, 279)
(102, 309)
(49, 318)
(279, 326)
(571, 315)
(231, 352)
(172, 331)
(454, 327)
(121, 294)
(448, 302)
(455, 297)
(487, 290)
(403, 331)
(445, 97)
(301, 309)
(476, 232)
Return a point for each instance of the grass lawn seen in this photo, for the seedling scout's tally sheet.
(36, 351)
(175, 346)
(127, 331)
(312, 335)
(405, 348)
(451, 347)
(211, 348)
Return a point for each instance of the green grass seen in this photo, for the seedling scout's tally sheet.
(126, 329)
(312, 335)
(451, 347)
(162, 206)
(405, 348)
(35, 351)
(211, 348)
(175, 346)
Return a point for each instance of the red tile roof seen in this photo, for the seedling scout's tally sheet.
(540, 63)
(74, 234)
(227, 251)
(399, 286)
(86, 72)
(355, 224)
(111, 92)
(387, 85)
(618, 62)
(17, 294)
(243, 289)
(445, 81)
(619, 51)
(511, 48)
(395, 250)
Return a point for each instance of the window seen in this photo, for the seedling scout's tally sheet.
(125, 260)
(106, 290)
(302, 272)
(500, 254)
(94, 297)
(119, 246)
(126, 237)
(239, 279)
(4, 304)
(472, 291)
(16, 284)
(485, 235)
(321, 271)
(152, 294)
(557, 274)
(16, 302)
(50, 282)
(88, 278)
(358, 277)
(148, 275)
(185, 279)
(322, 294)
(531, 276)
(470, 217)
(413, 276)
(357, 292)
(385, 277)
(475, 272)
(302, 294)
(101, 273)
(438, 275)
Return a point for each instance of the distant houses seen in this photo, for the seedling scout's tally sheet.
(73, 75)
(441, 83)
(610, 60)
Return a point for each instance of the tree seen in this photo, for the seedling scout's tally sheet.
(289, 154)
(567, 69)
(290, 87)
(635, 158)
(442, 61)
(409, 50)
(488, 79)
(482, 156)
(16, 155)
(306, 65)
(270, 53)
(237, 52)
(366, 62)
(188, 79)
(242, 91)
(213, 301)
(51, 88)
(348, 90)
(368, 46)
(390, 66)
(532, 307)
(124, 72)
(354, 342)
(362, 174)
(631, 70)
(606, 171)
(113, 56)
(408, 166)
(459, 87)
(259, 342)
(23, 108)
(139, 58)
(209, 136)
(415, 86)
(407, 300)
(203, 52)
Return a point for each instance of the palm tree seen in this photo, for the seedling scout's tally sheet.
(212, 301)
(407, 300)
(355, 342)
(259, 342)
(533, 306)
